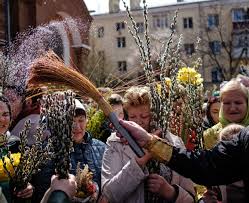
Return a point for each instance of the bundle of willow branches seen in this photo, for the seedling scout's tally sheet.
(31, 158)
(169, 63)
(50, 70)
(193, 106)
(58, 109)
(162, 102)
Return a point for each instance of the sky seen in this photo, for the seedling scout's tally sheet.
(101, 6)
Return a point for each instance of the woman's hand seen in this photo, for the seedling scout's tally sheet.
(157, 184)
(157, 132)
(143, 160)
(26, 193)
(137, 132)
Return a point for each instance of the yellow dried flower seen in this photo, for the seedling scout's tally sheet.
(187, 75)
(85, 185)
(15, 161)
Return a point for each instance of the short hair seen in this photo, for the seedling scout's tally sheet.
(115, 99)
(233, 85)
(230, 131)
(105, 90)
(80, 112)
(137, 96)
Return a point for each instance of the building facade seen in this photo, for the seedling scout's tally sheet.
(222, 26)
(18, 16)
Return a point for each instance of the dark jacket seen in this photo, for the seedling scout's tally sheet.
(226, 163)
(90, 153)
(42, 180)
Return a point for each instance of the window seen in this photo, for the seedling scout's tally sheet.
(101, 32)
(189, 49)
(122, 66)
(213, 21)
(160, 21)
(242, 41)
(216, 74)
(140, 27)
(121, 42)
(188, 22)
(238, 15)
(120, 26)
(215, 47)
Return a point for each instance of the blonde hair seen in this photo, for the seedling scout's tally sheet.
(233, 85)
(230, 131)
(136, 96)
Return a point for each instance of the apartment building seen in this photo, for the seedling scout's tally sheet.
(222, 26)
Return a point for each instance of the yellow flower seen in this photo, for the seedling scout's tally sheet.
(16, 160)
(187, 75)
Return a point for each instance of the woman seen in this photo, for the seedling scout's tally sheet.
(212, 111)
(9, 143)
(124, 176)
(234, 109)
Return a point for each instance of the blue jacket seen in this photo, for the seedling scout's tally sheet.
(90, 153)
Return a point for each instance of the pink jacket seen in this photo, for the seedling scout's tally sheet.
(122, 179)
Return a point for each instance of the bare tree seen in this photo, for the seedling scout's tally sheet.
(221, 40)
(96, 67)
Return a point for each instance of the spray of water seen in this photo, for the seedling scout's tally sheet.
(60, 36)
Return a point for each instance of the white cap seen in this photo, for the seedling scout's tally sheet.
(79, 105)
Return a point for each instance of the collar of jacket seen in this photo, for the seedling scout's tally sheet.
(87, 139)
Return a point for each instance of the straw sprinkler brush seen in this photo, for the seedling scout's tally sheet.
(50, 70)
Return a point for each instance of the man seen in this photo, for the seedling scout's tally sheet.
(30, 111)
(15, 95)
(87, 150)
(226, 163)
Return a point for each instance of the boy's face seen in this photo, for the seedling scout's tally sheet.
(79, 128)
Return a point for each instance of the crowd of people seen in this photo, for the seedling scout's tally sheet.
(118, 174)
